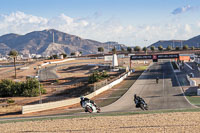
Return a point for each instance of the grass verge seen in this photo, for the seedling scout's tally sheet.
(194, 100)
(67, 116)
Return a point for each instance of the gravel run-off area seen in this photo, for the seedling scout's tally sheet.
(140, 123)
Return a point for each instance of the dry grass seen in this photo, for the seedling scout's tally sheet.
(151, 123)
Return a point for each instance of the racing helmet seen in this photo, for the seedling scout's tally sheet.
(82, 98)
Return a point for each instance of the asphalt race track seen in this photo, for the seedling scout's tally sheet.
(167, 94)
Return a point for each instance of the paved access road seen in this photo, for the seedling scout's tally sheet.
(167, 94)
(49, 73)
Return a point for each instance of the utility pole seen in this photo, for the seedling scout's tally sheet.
(39, 84)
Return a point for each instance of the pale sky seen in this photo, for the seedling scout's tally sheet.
(131, 22)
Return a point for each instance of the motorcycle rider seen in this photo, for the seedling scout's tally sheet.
(137, 100)
(157, 79)
(86, 100)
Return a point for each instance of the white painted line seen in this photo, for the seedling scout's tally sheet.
(188, 66)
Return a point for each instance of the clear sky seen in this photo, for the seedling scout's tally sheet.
(131, 22)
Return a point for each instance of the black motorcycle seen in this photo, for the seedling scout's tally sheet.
(140, 103)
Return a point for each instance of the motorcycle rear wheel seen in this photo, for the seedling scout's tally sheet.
(98, 109)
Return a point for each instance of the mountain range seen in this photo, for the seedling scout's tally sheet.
(193, 42)
(42, 42)
(49, 42)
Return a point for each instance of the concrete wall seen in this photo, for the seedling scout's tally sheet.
(56, 62)
(45, 106)
(192, 82)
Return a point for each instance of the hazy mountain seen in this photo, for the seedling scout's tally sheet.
(166, 43)
(195, 41)
(41, 42)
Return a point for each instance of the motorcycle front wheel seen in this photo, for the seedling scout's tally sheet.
(142, 106)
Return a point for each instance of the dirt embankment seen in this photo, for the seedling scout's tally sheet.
(151, 123)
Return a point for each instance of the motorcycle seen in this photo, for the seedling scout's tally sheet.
(142, 104)
(91, 108)
(157, 79)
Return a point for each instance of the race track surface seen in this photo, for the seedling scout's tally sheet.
(167, 94)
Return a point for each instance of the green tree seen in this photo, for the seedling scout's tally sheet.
(177, 48)
(100, 49)
(114, 50)
(160, 48)
(152, 48)
(185, 47)
(30, 87)
(137, 48)
(97, 76)
(144, 49)
(55, 56)
(192, 48)
(72, 54)
(14, 54)
(169, 48)
(129, 49)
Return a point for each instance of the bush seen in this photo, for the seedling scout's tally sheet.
(97, 76)
(9, 101)
(30, 87)
(7, 88)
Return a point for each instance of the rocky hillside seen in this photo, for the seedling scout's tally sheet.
(41, 42)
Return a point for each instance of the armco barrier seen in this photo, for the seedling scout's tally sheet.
(45, 106)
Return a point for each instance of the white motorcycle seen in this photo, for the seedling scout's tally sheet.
(89, 107)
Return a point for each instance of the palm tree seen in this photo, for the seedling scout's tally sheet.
(145, 49)
(114, 50)
(152, 48)
(169, 48)
(177, 48)
(185, 47)
(137, 48)
(14, 54)
(160, 48)
(129, 49)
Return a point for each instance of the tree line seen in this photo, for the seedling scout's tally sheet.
(152, 48)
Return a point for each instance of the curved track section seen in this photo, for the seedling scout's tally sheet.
(167, 94)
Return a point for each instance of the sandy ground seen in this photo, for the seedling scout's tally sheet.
(151, 123)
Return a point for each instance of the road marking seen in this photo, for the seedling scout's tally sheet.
(189, 66)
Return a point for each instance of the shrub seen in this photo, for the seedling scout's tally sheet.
(97, 76)
(30, 87)
(57, 81)
(7, 88)
(10, 101)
